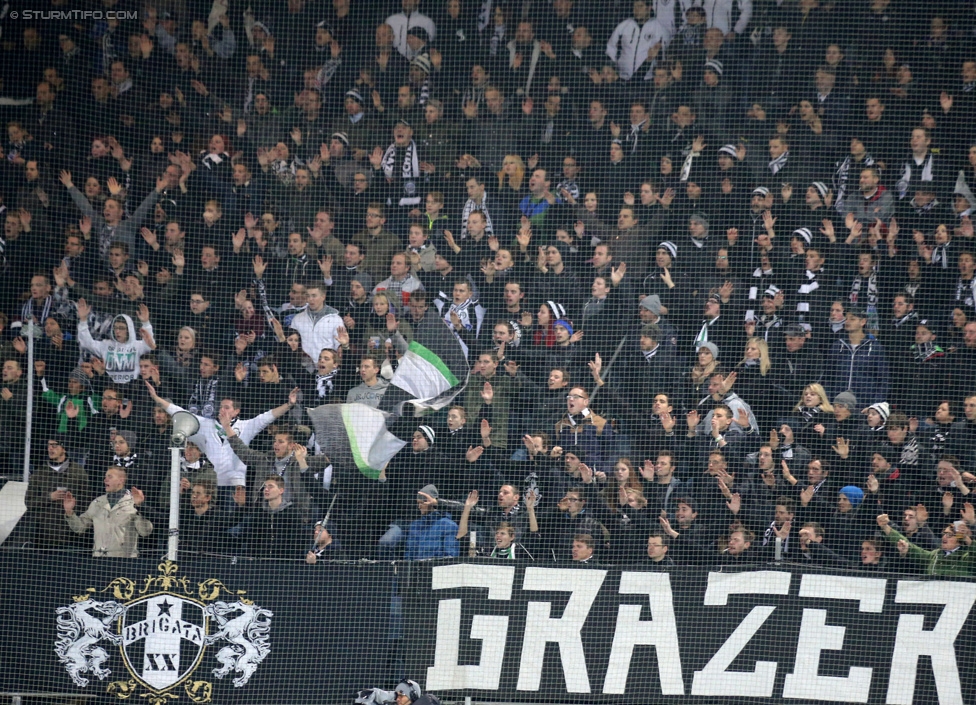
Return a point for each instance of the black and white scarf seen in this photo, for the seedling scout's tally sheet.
(327, 71)
(470, 206)
(203, 401)
(126, 461)
(906, 178)
(966, 292)
(409, 171)
(463, 311)
(805, 291)
(841, 176)
(325, 384)
(940, 257)
(779, 162)
(30, 310)
(870, 286)
(909, 318)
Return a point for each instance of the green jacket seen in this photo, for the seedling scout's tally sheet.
(86, 405)
(936, 562)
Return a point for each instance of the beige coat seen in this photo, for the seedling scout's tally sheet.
(117, 529)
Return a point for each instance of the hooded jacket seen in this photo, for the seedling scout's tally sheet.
(121, 359)
(862, 370)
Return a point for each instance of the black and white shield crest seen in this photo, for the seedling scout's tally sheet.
(162, 639)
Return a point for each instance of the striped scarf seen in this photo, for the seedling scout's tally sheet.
(30, 309)
(779, 162)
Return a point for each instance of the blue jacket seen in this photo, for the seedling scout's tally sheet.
(864, 371)
(432, 536)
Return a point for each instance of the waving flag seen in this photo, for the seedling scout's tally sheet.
(355, 436)
(431, 373)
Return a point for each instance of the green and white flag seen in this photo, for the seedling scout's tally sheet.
(431, 373)
(354, 436)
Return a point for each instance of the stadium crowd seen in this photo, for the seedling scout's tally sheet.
(711, 263)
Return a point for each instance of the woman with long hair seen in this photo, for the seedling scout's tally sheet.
(512, 184)
(544, 334)
(753, 379)
(375, 326)
(696, 381)
(813, 420)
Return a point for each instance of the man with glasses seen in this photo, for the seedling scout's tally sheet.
(49, 483)
(581, 429)
(954, 555)
(380, 243)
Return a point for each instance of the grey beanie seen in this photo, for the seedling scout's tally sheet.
(846, 399)
(711, 347)
(652, 303)
(429, 490)
(699, 217)
(130, 438)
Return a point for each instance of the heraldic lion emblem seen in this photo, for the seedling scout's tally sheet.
(161, 627)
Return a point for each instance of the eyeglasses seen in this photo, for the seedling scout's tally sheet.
(574, 396)
(948, 533)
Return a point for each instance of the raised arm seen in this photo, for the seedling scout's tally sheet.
(77, 196)
(469, 504)
(280, 411)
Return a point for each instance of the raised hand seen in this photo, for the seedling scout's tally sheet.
(666, 525)
(968, 514)
(65, 178)
(487, 393)
(735, 503)
(784, 531)
(71, 410)
(647, 471)
(693, 418)
(596, 367)
(843, 448)
(787, 475)
(138, 496)
(472, 500)
(806, 494)
(617, 274)
(872, 484)
(485, 430)
(69, 502)
(586, 474)
(742, 418)
(668, 422)
(84, 310)
(474, 452)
